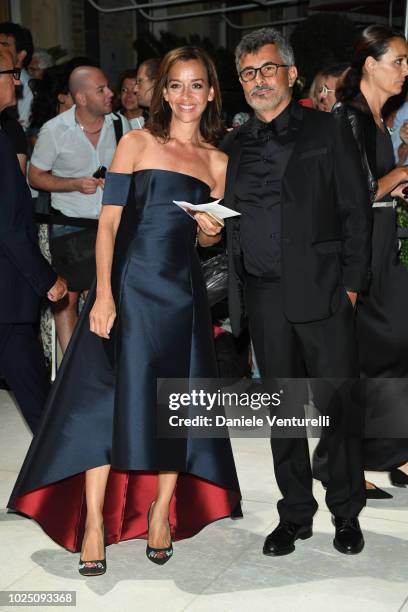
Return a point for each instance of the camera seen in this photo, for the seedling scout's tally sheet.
(100, 172)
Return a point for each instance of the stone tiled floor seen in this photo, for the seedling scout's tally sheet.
(221, 569)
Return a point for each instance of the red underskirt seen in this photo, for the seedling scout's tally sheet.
(60, 507)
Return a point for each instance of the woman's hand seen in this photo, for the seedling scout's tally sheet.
(207, 225)
(398, 191)
(208, 231)
(102, 316)
(404, 132)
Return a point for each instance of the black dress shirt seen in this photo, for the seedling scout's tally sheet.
(258, 192)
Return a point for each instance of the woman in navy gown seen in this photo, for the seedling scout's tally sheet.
(96, 472)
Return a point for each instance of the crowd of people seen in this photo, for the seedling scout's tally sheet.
(313, 273)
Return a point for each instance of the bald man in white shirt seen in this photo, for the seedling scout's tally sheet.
(70, 148)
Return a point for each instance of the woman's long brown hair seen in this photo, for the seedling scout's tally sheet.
(211, 127)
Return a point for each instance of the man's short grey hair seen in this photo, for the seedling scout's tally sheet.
(252, 42)
(45, 59)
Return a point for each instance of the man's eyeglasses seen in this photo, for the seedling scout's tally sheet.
(16, 72)
(267, 70)
(325, 90)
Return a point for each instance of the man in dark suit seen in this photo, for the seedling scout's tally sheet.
(25, 275)
(298, 255)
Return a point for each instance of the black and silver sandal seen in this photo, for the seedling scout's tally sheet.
(160, 556)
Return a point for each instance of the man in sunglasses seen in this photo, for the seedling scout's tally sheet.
(326, 84)
(298, 256)
(25, 275)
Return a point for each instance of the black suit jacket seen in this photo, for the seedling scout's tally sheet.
(25, 274)
(326, 219)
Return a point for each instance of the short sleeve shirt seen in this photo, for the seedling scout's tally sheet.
(63, 148)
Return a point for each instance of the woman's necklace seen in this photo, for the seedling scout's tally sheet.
(377, 117)
(379, 122)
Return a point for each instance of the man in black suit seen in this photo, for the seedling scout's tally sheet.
(25, 275)
(298, 255)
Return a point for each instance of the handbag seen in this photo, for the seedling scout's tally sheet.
(215, 272)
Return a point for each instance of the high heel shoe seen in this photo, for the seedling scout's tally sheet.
(96, 567)
(157, 555)
(372, 493)
(398, 478)
(377, 493)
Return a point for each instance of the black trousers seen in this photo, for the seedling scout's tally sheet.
(22, 364)
(320, 349)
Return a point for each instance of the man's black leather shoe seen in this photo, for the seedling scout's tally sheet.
(282, 539)
(348, 539)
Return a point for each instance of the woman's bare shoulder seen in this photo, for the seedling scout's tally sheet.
(137, 137)
(131, 146)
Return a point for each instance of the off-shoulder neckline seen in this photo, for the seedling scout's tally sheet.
(195, 178)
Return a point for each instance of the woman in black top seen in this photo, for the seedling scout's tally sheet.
(377, 72)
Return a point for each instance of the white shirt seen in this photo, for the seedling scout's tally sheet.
(24, 103)
(137, 123)
(400, 117)
(63, 148)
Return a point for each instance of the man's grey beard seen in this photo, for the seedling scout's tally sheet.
(261, 104)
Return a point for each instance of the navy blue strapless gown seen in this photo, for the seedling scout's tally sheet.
(102, 407)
